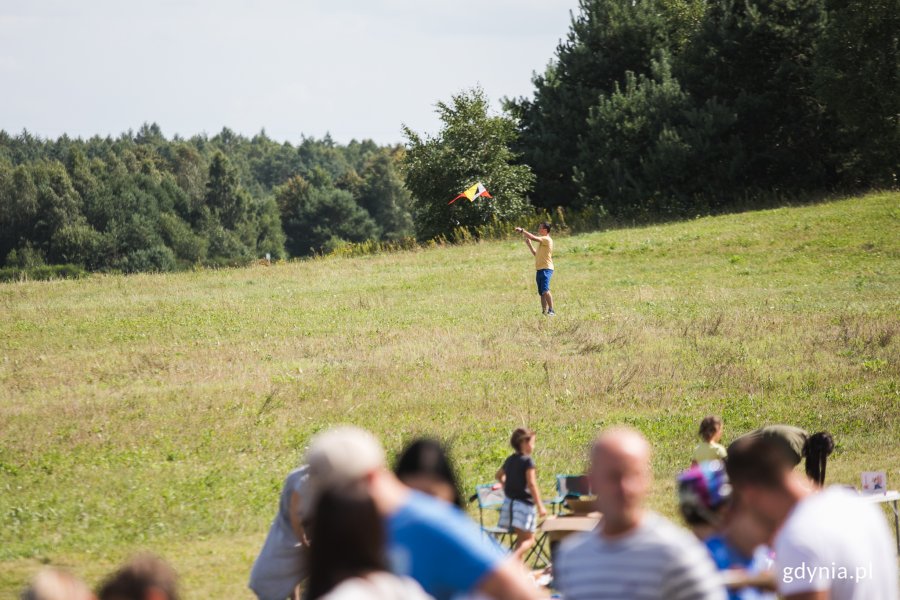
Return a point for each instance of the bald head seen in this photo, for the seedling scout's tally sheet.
(620, 476)
(54, 584)
(622, 444)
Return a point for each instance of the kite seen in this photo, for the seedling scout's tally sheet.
(473, 192)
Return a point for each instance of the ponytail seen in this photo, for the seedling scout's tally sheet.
(816, 451)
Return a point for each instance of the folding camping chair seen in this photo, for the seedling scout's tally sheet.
(569, 486)
(490, 498)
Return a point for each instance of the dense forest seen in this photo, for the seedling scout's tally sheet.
(648, 109)
(142, 202)
(678, 107)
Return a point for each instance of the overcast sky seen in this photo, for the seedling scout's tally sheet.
(354, 68)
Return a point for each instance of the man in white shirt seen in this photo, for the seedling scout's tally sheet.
(829, 545)
(633, 554)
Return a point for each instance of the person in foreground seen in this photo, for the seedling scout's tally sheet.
(428, 540)
(829, 545)
(279, 568)
(55, 584)
(347, 559)
(425, 465)
(633, 554)
(543, 263)
(735, 541)
(144, 577)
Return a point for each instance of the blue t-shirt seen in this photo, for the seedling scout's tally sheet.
(727, 557)
(439, 546)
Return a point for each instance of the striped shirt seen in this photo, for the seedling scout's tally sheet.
(657, 561)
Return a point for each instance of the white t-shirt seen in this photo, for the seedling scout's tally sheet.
(378, 586)
(835, 541)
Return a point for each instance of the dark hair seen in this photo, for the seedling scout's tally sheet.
(518, 436)
(347, 539)
(757, 460)
(138, 576)
(815, 452)
(428, 457)
(709, 426)
(546, 226)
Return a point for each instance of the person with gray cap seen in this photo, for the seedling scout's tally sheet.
(428, 540)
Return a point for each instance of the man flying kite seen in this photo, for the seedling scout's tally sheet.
(543, 263)
(473, 192)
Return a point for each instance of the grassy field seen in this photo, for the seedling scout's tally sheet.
(162, 411)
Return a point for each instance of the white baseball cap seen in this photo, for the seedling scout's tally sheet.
(338, 457)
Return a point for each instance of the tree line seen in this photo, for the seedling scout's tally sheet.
(677, 107)
(648, 109)
(141, 202)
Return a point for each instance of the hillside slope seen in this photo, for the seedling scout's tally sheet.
(162, 411)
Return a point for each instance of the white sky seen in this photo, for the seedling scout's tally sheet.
(355, 68)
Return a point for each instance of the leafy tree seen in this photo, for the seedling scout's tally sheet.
(606, 40)
(471, 146)
(224, 196)
(858, 77)
(312, 216)
(756, 58)
(383, 194)
(270, 238)
(648, 149)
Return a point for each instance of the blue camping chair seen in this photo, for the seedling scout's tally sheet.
(490, 498)
(569, 486)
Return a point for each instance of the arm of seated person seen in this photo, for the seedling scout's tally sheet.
(509, 581)
(736, 579)
(296, 523)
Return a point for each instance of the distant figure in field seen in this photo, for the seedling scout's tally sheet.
(543, 263)
(280, 566)
(348, 556)
(56, 584)
(709, 447)
(144, 577)
(428, 540)
(633, 554)
(522, 505)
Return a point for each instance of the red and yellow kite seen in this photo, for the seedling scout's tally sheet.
(473, 192)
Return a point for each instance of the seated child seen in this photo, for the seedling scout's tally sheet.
(710, 448)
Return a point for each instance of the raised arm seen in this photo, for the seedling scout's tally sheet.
(529, 236)
(296, 523)
(510, 581)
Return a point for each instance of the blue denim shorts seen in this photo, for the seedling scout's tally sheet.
(543, 280)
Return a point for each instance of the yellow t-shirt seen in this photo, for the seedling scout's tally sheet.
(543, 256)
(709, 451)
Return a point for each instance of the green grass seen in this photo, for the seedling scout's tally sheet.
(162, 411)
